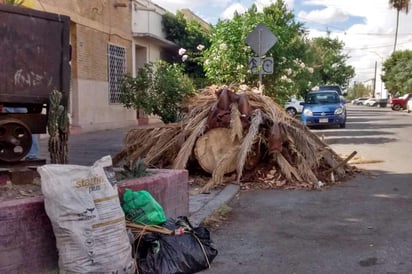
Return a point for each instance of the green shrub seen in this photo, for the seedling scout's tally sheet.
(159, 88)
(133, 170)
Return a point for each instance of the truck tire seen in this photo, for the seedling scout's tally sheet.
(291, 111)
(396, 107)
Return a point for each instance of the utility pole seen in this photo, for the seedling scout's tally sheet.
(374, 80)
(376, 77)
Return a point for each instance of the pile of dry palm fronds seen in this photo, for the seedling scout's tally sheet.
(261, 144)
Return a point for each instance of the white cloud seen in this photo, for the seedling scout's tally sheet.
(372, 39)
(289, 3)
(173, 5)
(230, 11)
(204, 9)
(326, 15)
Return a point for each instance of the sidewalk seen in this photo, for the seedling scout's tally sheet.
(86, 148)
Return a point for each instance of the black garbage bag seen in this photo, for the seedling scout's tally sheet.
(188, 253)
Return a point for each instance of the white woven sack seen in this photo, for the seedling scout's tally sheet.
(88, 221)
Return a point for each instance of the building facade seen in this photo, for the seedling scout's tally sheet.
(109, 38)
(100, 37)
(149, 40)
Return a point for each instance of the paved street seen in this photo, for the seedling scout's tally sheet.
(361, 226)
(86, 148)
(377, 134)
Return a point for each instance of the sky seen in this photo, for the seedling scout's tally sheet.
(367, 27)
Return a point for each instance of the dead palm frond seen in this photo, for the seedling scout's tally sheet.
(286, 169)
(248, 141)
(269, 137)
(187, 148)
(235, 123)
(221, 169)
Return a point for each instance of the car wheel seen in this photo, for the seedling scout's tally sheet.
(342, 125)
(291, 111)
(396, 107)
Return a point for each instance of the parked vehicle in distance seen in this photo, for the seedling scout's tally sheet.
(375, 102)
(323, 108)
(332, 87)
(293, 106)
(359, 101)
(381, 102)
(409, 105)
(400, 102)
(370, 102)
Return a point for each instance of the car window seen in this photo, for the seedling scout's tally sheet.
(335, 88)
(322, 98)
(311, 99)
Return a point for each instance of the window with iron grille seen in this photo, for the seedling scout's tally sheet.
(116, 58)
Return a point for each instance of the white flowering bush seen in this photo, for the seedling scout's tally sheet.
(226, 61)
(296, 78)
(182, 51)
(192, 60)
(194, 55)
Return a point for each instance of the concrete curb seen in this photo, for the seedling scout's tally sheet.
(201, 207)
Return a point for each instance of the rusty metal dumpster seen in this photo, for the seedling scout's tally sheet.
(35, 59)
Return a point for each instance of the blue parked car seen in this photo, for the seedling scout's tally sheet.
(323, 108)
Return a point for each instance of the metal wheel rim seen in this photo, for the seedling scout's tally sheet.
(15, 140)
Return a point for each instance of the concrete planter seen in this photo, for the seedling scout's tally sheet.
(27, 242)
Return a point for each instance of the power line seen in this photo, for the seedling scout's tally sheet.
(343, 31)
(376, 46)
(375, 34)
(375, 5)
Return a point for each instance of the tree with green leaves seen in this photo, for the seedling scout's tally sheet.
(397, 72)
(299, 63)
(159, 88)
(358, 90)
(226, 60)
(330, 62)
(190, 36)
(399, 5)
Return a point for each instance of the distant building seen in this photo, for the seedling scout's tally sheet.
(189, 15)
(149, 39)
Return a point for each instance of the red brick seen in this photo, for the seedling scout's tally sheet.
(4, 178)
